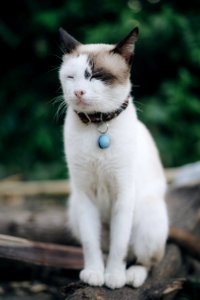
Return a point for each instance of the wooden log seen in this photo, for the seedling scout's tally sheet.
(70, 257)
(45, 254)
(187, 241)
(36, 220)
(34, 188)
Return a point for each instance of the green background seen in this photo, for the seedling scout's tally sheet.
(165, 75)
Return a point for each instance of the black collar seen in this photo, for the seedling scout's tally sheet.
(99, 117)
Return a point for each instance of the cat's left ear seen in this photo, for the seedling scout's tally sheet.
(69, 42)
(126, 47)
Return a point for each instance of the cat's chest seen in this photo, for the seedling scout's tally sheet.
(96, 175)
(101, 185)
(82, 141)
(88, 160)
(93, 169)
(82, 149)
(97, 171)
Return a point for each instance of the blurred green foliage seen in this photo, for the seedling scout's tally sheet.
(165, 75)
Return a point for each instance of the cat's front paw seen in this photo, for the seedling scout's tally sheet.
(92, 277)
(136, 276)
(115, 279)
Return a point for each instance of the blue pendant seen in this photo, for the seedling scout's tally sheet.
(103, 141)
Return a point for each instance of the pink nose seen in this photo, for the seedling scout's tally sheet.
(79, 93)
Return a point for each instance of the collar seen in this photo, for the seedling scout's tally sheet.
(100, 117)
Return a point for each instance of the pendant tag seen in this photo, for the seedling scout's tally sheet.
(103, 141)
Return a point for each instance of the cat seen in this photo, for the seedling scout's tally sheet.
(116, 176)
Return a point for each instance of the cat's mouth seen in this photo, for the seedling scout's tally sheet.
(80, 102)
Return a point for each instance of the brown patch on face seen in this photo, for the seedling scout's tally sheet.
(107, 66)
(111, 66)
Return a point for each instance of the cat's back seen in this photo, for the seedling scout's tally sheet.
(148, 164)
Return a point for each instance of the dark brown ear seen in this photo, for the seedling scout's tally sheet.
(68, 41)
(127, 45)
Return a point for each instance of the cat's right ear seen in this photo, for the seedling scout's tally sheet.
(69, 43)
(126, 47)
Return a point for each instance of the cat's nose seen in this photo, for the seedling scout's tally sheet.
(79, 93)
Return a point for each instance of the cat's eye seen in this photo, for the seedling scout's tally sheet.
(96, 76)
(103, 76)
(70, 77)
(87, 74)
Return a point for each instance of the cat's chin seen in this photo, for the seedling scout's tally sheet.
(81, 105)
(89, 106)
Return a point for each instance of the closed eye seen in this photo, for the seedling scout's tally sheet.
(103, 76)
(70, 77)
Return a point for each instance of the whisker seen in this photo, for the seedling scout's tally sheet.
(61, 111)
(57, 56)
(61, 106)
(139, 106)
(57, 99)
(56, 68)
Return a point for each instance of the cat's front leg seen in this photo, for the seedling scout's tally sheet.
(89, 228)
(120, 231)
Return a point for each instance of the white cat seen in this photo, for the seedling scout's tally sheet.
(116, 176)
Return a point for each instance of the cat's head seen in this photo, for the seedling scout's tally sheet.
(96, 77)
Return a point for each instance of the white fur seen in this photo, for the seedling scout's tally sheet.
(136, 275)
(122, 185)
(95, 90)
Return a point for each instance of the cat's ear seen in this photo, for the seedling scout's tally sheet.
(126, 47)
(69, 43)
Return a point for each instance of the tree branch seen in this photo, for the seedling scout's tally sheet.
(186, 240)
(45, 254)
